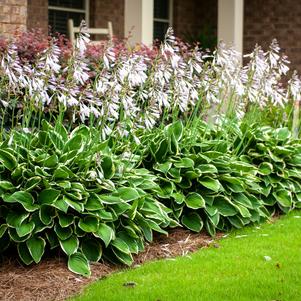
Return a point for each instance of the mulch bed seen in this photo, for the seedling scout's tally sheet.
(51, 280)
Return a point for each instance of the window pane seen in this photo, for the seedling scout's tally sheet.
(160, 29)
(58, 20)
(161, 9)
(79, 4)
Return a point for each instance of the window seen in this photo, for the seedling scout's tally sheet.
(162, 17)
(59, 11)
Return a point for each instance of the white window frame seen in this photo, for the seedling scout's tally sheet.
(85, 11)
(170, 15)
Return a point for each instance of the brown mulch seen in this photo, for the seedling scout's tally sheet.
(51, 280)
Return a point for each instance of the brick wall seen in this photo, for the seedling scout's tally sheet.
(13, 16)
(265, 20)
(38, 14)
(192, 17)
(108, 10)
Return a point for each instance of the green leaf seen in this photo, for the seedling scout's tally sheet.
(107, 167)
(69, 245)
(164, 167)
(129, 240)
(8, 160)
(224, 206)
(61, 205)
(235, 221)
(51, 161)
(46, 214)
(14, 218)
(32, 183)
(178, 197)
(207, 168)
(184, 163)
(195, 201)
(36, 247)
(121, 245)
(210, 228)
(52, 239)
(175, 129)
(240, 166)
(24, 253)
(74, 143)
(79, 207)
(282, 134)
(60, 174)
(127, 193)
(125, 258)
(192, 221)
(3, 229)
(265, 168)
(25, 228)
(88, 224)
(48, 196)
(106, 233)
(6, 185)
(78, 263)
(65, 220)
(283, 197)
(242, 199)
(160, 149)
(24, 198)
(92, 249)
(62, 233)
(210, 183)
(93, 203)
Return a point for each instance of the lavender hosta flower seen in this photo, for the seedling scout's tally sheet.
(294, 87)
(109, 58)
(50, 59)
(12, 68)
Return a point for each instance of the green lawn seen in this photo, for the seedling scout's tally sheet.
(237, 270)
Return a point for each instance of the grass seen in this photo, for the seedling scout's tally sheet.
(237, 270)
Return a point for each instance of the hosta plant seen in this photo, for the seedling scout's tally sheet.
(69, 191)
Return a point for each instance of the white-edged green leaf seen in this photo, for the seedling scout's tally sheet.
(14, 218)
(283, 197)
(24, 198)
(25, 228)
(78, 263)
(265, 168)
(194, 201)
(192, 221)
(210, 183)
(106, 233)
(36, 247)
(121, 245)
(24, 253)
(89, 224)
(127, 193)
(3, 229)
(7, 159)
(125, 258)
(7, 185)
(92, 249)
(48, 196)
(69, 245)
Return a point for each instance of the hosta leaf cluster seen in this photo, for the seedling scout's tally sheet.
(94, 199)
(70, 192)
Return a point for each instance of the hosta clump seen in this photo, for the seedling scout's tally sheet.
(277, 157)
(203, 181)
(70, 191)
